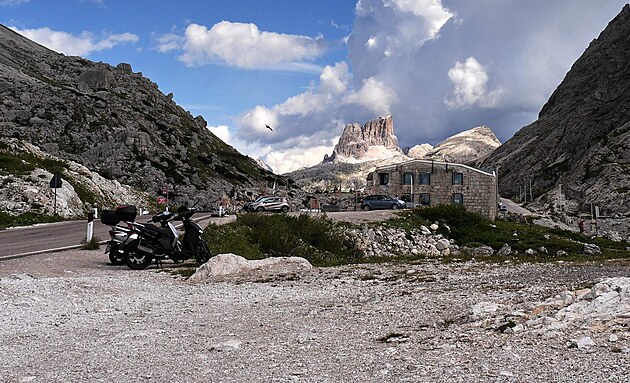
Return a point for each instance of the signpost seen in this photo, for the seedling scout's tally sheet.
(55, 183)
(161, 200)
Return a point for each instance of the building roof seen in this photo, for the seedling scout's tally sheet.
(428, 162)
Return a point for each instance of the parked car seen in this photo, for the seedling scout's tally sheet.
(502, 206)
(270, 204)
(381, 201)
(247, 206)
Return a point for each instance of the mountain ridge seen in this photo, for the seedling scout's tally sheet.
(580, 142)
(115, 122)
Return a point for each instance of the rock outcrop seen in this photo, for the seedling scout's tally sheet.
(114, 122)
(467, 146)
(235, 266)
(581, 139)
(26, 173)
(375, 139)
(419, 151)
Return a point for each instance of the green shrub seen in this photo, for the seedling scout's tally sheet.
(93, 244)
(472, 230)
(25, 219)
(254, 236)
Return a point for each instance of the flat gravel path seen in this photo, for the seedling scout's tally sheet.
(68, 317)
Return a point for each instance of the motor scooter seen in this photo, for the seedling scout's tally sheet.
(148, 241)
(118, 234)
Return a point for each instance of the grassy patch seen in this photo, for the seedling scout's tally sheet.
(25, 219)
(254, 236)
(93, 244)
(472, 230)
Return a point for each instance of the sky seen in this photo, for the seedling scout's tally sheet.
(307, 68)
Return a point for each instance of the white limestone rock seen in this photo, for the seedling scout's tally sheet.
(232, 264)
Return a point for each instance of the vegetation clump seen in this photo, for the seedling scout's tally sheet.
(25, 219)
(470, 229)
(254, 236)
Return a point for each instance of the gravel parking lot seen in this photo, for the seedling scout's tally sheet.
(69, 317)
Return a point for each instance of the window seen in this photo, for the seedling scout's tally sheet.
(458, 178)
(458, 199)
(407, 178)
(407, 197)
(383, 178)
(425, 199)
(425, 178)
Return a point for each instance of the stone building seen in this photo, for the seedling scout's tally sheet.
(429, 183)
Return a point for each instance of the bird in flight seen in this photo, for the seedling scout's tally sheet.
(268, 127)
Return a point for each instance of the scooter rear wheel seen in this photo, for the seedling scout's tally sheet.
(137, 260)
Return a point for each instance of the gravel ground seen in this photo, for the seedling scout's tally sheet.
(68, 317)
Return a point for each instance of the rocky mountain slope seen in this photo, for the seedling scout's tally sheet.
(467, 146)
(25, 175)
(114, 122)
(581, 140)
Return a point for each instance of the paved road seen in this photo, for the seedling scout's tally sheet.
(46, 237)
(23, 240)
(514, 207)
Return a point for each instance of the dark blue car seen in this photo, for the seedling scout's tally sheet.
(381, 201)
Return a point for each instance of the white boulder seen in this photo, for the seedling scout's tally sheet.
(231, 264)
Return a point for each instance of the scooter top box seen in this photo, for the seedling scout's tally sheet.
(109, 217)
(126, 213)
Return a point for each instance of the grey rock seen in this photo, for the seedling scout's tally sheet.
(591, 249)
(482, 251)
(356, 139)
(505, 250)
(530, 252)
(442, 244)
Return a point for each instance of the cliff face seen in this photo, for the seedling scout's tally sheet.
(114, 122)
(356, 140)
(581, 140)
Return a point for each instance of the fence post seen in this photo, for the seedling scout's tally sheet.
(90, 226)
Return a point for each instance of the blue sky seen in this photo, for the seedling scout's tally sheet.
(309, 67)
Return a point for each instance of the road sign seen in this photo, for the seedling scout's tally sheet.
(161, 200)
(55, 182)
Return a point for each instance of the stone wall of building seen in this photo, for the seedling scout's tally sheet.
(478, 189)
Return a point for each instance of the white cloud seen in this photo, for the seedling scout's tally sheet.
(470, 80)
(286, 161)
(374, 95)
(286, 117)
(13, 2)
(254, 121)
(430, 10)
(245, 46)
(334, 79)
(71, 45)
(169, 42)
(403, 59)
(221, 131)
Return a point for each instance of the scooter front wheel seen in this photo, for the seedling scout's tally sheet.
(137, 260)
(202, 253)
(116, 257)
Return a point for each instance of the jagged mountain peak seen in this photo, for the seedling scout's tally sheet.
(374, 140)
